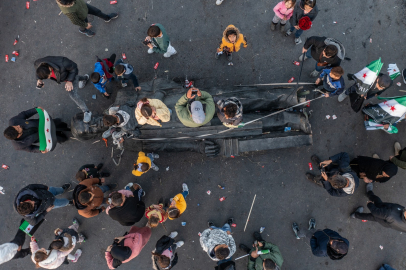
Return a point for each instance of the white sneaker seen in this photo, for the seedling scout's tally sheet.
(184, 187)
(167, 55)
(173, 234)
(87, 117)
(155, 155)
(298, 41)
(179, 244)
(397, 148)
(123, 84)
(314, 73)
(82, 84)
(155, 167)
(77, 255)
(301, 57)
(342, 96)
(150, 51)
(128, 186)
(218, 2)
(375, 156)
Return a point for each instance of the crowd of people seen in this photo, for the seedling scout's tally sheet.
(339, 175)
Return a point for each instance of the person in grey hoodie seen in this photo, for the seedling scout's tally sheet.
(218, 242)
(158, 41)
(124, 73)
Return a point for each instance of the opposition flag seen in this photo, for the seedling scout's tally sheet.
(46, 131)
(26, 227)
(366, 78)
(393, 71)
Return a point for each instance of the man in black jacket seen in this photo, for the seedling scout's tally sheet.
(23, 132)
(128, 210)
(61, 69)
(327, 52)
(34, 201)
(390, 215)
(229, 111)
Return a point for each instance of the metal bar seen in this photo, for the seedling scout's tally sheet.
(264, 84)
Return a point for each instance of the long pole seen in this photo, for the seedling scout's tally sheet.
(246, 223)
(242, 256)
(264, 84)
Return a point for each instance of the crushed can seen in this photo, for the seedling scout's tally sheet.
(156, 65)
(123, 56)
(310, 166)
(296, 63)
(13, 59)
(183, 223)
(261, 230)
(308, 104)
(222, 199)
(221, 187)
(199, 234)
(291, 79)
(287, 129)
(6, 57)
(5, 167)
(15, 53)
(233, 225)
(15, 42)
(399, 84)
(27, 5)
(208, 192)
(113, 2)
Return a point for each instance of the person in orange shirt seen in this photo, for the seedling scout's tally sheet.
(231, 42)
(178, 203)
(144, 163)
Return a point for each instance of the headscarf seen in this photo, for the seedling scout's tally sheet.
(374, 167)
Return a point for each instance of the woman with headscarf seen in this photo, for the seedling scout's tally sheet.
(373, 169)
(127, 247)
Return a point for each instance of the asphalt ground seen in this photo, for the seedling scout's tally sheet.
(372, 29)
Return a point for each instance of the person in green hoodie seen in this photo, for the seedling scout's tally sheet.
(77, 10)
(399, 159)
(158, 41)
(271, 260)
(195, 108)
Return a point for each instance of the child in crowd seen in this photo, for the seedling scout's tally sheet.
(144, 163)
(231, 42)
(304, 8)
(164, 256)
(103, 73)
(178, 203)
(283, 11)
(158, 41)
(124, 73)
(332, 81)
(152, 112)
(156, 214)
(90, 171)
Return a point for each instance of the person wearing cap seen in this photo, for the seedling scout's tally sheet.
(196, 108)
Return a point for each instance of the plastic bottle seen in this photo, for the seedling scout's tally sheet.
(264, 251)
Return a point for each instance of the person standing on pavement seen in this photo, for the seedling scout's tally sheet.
(34, 201)
(231, 42)
(373, 169)
(61, 69)
(144, 163)
(158, 41)
(336, 175)
(399, 159)
(178, 203)
(152, 112)
(218, 242)
(103, 73)
(125, 72)
(283, 12)
(66, 239)
(389, 215)
(229, 111)
(87, 197)
(164, 256)
(271, 260)
(304, 8)
(332, 81)
(77, 11)
(90, 171)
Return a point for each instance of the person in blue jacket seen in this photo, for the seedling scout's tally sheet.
(103, 73)
(336, 175)
(332, 81)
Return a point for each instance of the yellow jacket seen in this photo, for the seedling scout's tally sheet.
(180, 203)
(234, 47)
(162, 112)
(142, 158)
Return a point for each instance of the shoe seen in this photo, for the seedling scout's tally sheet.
(154, 155)
(375, 156)
(82, 83)
(298, 41)
(273, 26)
(179, 244)
(397, 148)
(87, 32)
(230, 221)
(173, 234)
(282, 29)
(230, 57)
(77, 255)
(295, 228)
(123, 85)
(369, 187)
(75, 221)
(107, 97)
(217, 55)
(316, 160)
(112, 17)
(312, 224)
(185, 187)
(301, 57)
(311, 177)
(350, 76)
(258, 237)
(83, 236)
(218, 2)
(104, 174)
(129, 185)
(244, 248)
(314, 73)
(404, 75)
(112, 186)
(167, 55)
(66, 187)
(150, 51)
(87, 117)
(210, 224)
(360, 209)
(342, 96)
(70, 202)
(99, 166)
(155, 167)
(288, 33)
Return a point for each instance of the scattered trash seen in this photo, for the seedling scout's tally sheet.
(123, 55)
(291, 79)
(398, 84)
(334, 22)
(183, 223)
(27, 4)
(5, 167)
(230, 64)
(232, 156)
(287, 129)
(343, 33)
(199, 234)
(113, 2)
(334, 117)
(106, 50)
(233, 225)
(156, 65)
(222, 199)
(94, 96)
(13, 59)
(328, 116)
(261, 230)
(198, 204)
(15, 53)
(364, 220)
(296, 63)
(221, 187)
(381, 247)
(166, 71)
(6, 57)
(370, 40)
(310, 166)
(2, 190)
(308, 104)
(208, 192)
(16, 40)
(167, 168)
(96, 141)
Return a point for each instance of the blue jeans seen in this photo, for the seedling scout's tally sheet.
(185, 193)
(298, 32)
(226, 227)
(309, 55)
(151, 157)
(104, 188)
(58, 203)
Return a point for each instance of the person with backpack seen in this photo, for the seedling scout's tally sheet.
(164, 256)
(103, 73)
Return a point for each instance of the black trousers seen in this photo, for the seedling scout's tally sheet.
(19, 240)
(96, 12)
(368, 216)
(60, 127)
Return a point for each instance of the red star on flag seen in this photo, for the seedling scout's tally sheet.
(49, 141)
(364, 76)
(385, 102)
(47, 119)
(28, 229)
(392, 108)
(394, 70)
(47, 130)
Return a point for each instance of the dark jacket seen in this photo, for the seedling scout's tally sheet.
(400, 160)
(320, 240)
(298, 13)
(64, 68)
(389, 215)
(334, 87)
(27, 144)
(76, 13)
(221, 103)
(131, 212)
(340, 165)
(41, 193)
(163, 244)
(128, 73)
(92, 172)
(230, 265)
(374, 91)
(318, 45)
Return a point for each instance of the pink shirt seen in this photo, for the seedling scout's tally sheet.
(168, 253)
(281, 10)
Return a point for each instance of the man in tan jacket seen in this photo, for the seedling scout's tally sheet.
(152, 112)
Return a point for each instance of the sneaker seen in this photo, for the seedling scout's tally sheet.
(295, 228)
(179, 244)
(288, 33)
(83, 237)
(311, 177)
(316, 160)
(404, 75)
(129, 185)
(112, 186)
(185, 187)
(218, 2)
(369, 187)
(342, 96)
(301, 57)
(244, 248)
(258, 237)
(66, 187)
(87, 117)
(210, 224)
(230, 57)
(87, 32)
(99, 166)
(167, 55)
(77, 255)
(282, 29)
(298, 41)
(173, 234)
(112, 17)
(123, 85)
(217, 55)
(230, 221)
(155, 167)
(360, 209)
(82, 83)
(150, 51)
(104, 174)
(397, 148)
(75, 221)
(375, 156)
(314, 73)
(273, 26)
(154, 155)
(312, 224)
